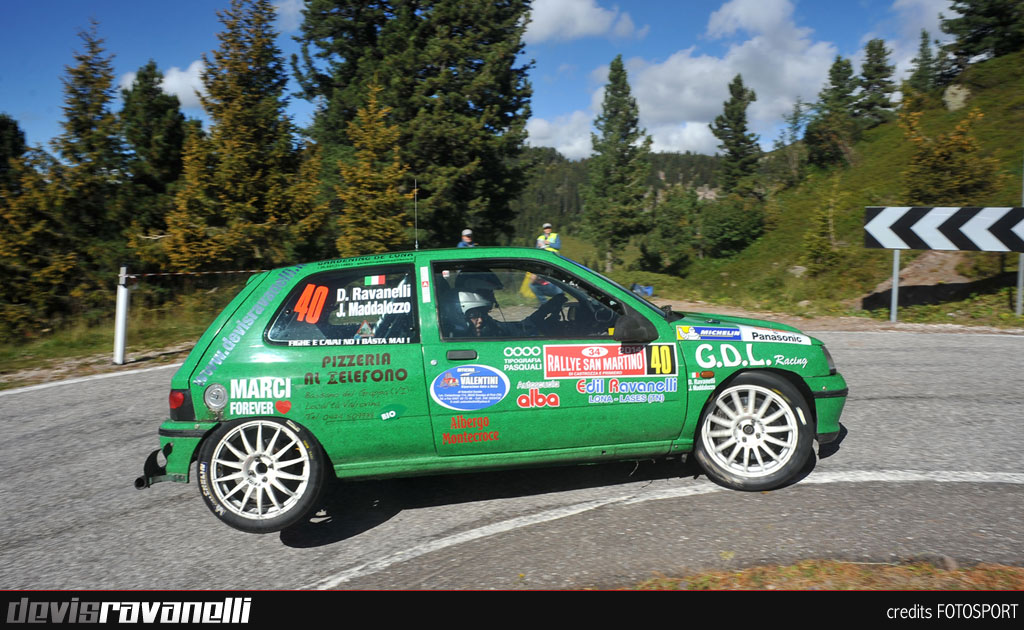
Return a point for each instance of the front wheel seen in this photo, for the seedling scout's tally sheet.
(261, 475)
(755, 434)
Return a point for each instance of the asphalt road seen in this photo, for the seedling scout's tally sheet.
(929, 465)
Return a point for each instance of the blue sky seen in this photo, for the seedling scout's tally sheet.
(680, 56)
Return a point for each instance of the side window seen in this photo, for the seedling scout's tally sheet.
(369, 305)
(519, 300)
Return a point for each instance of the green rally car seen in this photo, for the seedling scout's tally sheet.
(453, 360)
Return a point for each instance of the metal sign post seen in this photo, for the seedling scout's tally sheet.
(894, 304)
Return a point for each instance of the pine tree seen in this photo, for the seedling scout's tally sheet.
(671, 241)
(740, 147)
(93, 209)
(614, 199)
(831, 133)
(923, 76)
(154, 130)
(873, 105)
(375, 215)
(237, 206)
(820, 250)
(448, 71)
(37, 262)
(12, 147)
(984, 27)
(949, 168)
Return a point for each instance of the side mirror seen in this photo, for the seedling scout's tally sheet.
(634, 328)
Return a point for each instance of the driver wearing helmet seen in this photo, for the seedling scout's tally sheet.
(475, 307)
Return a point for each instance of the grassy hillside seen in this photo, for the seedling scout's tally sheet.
(761, 277)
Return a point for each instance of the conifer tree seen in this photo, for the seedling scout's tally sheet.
(237, 207)
(38, 263)
(983, 27)
(92, 209)
(873, 105)
(375, 213)
(739, 146)
(154, 130)
(614, 199)
(449, 72)
(949, 168)
(831, 133)
(923, 77)
(12, 146)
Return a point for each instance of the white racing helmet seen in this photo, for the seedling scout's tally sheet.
(469, 301)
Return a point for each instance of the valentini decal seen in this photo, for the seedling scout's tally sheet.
(469, 387)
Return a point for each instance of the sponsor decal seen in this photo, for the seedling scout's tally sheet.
(538, 384)
(469, 387)
(613, 390)
(697, 333)
(750, 333)
(249, 396)
(477, 435)
(537, 399)
(730, 356)
(367, 376)
(576, 361)
(518, 358)
(233, 610)
(391, 413)
(356, 341)
(781, 359)
(242, 326)
(354, 360)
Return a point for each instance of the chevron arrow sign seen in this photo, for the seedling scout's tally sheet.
(974, 229)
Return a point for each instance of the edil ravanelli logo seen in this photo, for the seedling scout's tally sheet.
(229, 610)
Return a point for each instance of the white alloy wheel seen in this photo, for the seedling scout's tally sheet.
(754, 434)
(260, 475)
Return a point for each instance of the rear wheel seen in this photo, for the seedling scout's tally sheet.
(755, 434)
(261, 475)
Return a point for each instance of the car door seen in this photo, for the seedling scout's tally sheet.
(541, 370)
(350, 339)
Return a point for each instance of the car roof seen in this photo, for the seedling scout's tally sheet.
(445, 253)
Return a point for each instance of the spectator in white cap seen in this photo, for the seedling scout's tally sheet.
(549, 240)
(467, 239)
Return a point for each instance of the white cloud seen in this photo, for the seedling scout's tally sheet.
(289, 14)
(563, 20)
(181, 83)
(569, 134)
(185, 83)
(680, 96)
(911, 17)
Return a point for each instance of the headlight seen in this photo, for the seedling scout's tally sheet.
(215, 397)
(829, 361)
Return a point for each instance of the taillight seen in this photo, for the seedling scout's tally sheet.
(176, 399)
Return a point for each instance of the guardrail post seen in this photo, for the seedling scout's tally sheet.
(120, 316)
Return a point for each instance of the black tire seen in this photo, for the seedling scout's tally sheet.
(261, 475)
(755, 434)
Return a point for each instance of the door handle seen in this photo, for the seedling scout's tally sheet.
(461, 355)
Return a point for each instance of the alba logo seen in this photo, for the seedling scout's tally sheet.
(537, 399)
(594, 351)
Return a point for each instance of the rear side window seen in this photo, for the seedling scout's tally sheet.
(369, 305)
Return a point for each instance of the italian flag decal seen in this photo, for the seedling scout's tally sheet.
(370, 281)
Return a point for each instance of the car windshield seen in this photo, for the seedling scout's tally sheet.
(668, 316)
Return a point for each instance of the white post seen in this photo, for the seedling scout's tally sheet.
(1020, 265)
(120, 317)
(895, 284)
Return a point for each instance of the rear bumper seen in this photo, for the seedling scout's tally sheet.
(173, 460)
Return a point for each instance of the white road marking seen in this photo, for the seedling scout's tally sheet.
(83, 379)
(701, 487)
